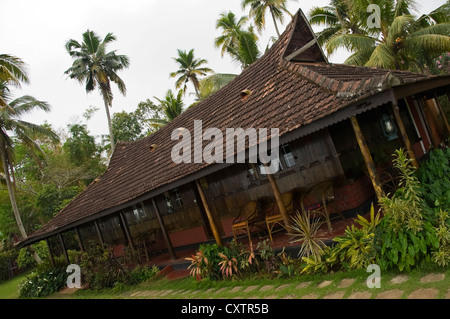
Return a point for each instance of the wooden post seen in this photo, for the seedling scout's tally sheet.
(99, 233)
(278, 198)
(441, 110)
(213, 225)
(80, 241)
(127, 233)
(367, 159)
(163, 230)
(405, 137)
(61, 240)
(50, 253)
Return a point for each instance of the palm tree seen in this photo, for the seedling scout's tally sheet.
(400, 42)
(189, 70)
(258, 10)
(231, 30)
(171, 106)
(241, 45)
(12, 72)
(212, 83)
(337, 19)
(97, 68)
(24, 132)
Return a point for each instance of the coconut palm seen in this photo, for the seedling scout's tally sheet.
(240, 44)
(401, 40)
(189, 70)
(337, 19)
(212, 83)
(258, 10)
(13, 129)
(231, 30)
(12, 72)
(171, 106)
(96, 68)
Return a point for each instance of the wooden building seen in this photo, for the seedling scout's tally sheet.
(337, 123)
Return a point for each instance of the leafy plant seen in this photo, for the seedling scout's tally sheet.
(442, 255)
(304, 231)
(228, 266)
(405, 207)
(43, 283)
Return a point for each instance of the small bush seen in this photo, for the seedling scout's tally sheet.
(44, 282)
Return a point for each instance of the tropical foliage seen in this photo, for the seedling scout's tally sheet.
(189, 70)
(392, 38)
(97, 68)
(259, 9)
(241, 44)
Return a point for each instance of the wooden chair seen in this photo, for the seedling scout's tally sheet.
(245, 220)
(324, 196)
(274, 217)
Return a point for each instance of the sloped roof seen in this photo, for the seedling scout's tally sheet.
(288, 95)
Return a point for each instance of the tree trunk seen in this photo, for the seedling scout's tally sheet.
(12, 197)
(108, 116)
(274, 22)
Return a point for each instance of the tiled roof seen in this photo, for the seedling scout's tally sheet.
(284, 94)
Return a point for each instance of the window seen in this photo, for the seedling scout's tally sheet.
(289, 158)
(168, 202)
(138, 213)
(173, 200)
(177, 198)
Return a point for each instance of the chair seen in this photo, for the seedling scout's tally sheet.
(245, 220)
(324, 196)
(274, 217)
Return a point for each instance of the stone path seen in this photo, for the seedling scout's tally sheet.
(327, 289)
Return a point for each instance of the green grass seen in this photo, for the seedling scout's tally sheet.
(190, 288)
(10, 289)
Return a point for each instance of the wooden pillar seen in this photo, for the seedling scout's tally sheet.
(213, 225)
(163, 230)
(50, 253)
(367, 159)
(99, 234)
(441, 110)
(405, 138)
(278, 198)
(80, 241)
(66, 256)
(127, 233)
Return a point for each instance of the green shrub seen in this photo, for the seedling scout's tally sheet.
(99, 268)
(25, 259)
(408, 234)
(43, 283)
(142, 273)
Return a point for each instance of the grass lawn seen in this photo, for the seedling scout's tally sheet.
(291, 288)
(10, 289)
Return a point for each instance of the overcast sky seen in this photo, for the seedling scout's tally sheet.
(149, 32)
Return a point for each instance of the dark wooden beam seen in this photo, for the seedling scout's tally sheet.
(80, 240)
(50, 252)
(99, 233)
(163, 230)
(212, 223)
(63, 245)
(404, 135)
(126, 232)
(373, 174)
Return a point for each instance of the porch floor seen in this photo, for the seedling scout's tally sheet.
(176, 268)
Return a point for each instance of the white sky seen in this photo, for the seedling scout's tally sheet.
(149, 32)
